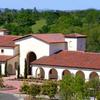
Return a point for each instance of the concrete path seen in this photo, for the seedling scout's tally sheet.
(9, 82)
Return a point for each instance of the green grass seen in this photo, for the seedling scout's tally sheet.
(39, 24)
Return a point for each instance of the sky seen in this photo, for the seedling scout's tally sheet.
(51, 4)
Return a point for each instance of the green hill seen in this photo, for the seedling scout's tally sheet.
(39, 24)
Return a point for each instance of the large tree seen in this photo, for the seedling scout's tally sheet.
(72, 88)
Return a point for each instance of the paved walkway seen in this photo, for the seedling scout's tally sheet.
(9, 82)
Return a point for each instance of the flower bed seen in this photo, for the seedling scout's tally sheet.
(7, 88)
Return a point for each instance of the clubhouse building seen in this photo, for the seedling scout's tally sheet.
(48, 56)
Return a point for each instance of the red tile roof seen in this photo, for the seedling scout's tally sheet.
(8, 40)
(75, 35)
(4, 58)
(48, 38)
(71, 59)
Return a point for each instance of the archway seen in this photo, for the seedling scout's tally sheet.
(80, 74)
(53, 74)
(93, 75)
(40, 73)
(65, 72)
(31, 56)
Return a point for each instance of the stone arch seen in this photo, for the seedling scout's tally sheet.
(93, 75)
(31, 56)
(66, 72)
(81, 74)
(53, 74)
(40, 73)
(10, 70)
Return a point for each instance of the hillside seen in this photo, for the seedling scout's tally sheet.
(21, 22)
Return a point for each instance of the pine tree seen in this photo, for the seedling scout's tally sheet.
(6, 69)
(25, 69)
(18, 71)
(0, 70)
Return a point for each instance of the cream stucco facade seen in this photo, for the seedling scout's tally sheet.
(41, 48)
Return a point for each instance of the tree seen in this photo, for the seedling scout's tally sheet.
(18, 75)
(6, 69)
(25, 69)
(0, 70)
(72, 88)
(93, 87)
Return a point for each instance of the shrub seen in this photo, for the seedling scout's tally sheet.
(49, 88)
(34, 89)
(25, 88)
(1, 82)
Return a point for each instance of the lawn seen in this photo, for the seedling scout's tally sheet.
(39, 24)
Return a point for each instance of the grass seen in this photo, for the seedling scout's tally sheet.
(39, 24)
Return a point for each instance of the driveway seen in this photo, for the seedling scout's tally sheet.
(10, 97)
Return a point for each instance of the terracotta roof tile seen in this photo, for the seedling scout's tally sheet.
(8, 40)
(71, 59)
(75, 35)
(4, 58)
(50, 38)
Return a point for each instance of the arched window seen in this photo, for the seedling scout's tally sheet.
(93, 75)
(65, 72)
(81, 74)
(53, 74)
(40, 73)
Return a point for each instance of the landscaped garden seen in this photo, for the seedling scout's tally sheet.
(70, 88)
(1, 83)
(46, 90)
(3, 86)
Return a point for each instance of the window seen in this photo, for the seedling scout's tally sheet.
(2, 50)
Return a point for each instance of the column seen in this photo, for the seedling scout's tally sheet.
(59, 71)
(46, 70)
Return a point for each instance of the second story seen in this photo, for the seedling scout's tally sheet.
(41, 44)
(76, 42)
(7, 45)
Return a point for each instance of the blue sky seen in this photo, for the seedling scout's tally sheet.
(51, 4)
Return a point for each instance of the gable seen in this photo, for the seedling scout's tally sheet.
(47, 38)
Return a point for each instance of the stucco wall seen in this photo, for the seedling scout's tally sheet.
(3, 33)
(16, 50)
(61, 69)
(12, 62)
(2, 68)
(72, 44)
(81, 44)
(56, 47)
(7, 51)
(31, 44)
(76, 44)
